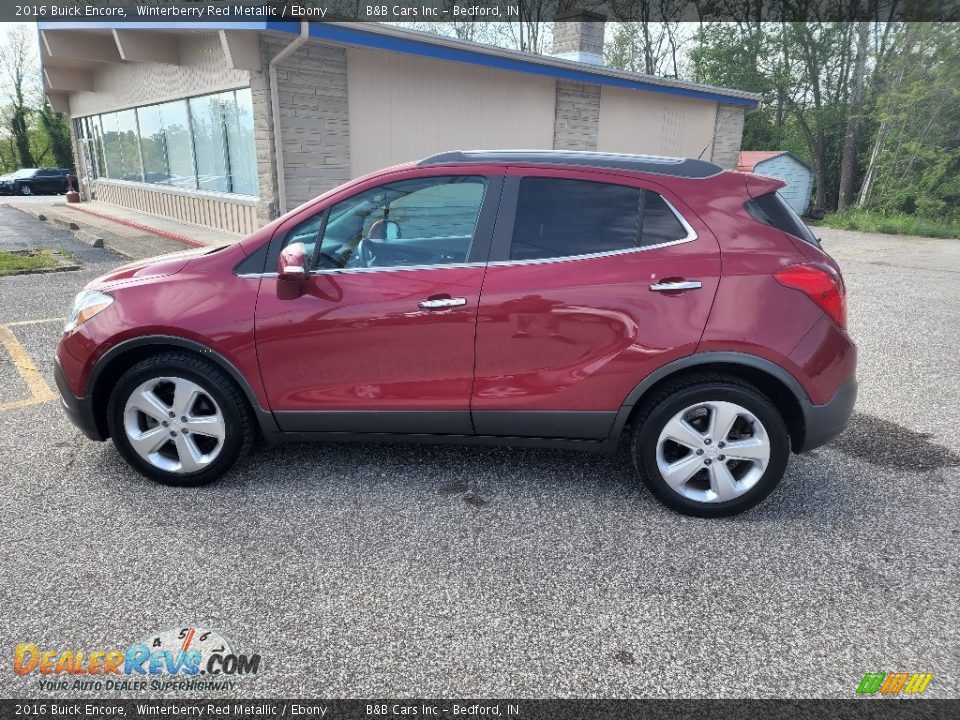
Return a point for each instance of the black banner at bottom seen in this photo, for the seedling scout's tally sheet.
(379, 709)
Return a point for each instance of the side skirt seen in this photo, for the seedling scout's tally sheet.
(608, 446)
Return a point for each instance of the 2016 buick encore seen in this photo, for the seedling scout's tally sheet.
(559, 299)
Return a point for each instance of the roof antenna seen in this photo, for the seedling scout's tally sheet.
(714, 136)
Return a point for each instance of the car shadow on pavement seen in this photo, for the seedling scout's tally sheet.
(478, 479)
(893, 446)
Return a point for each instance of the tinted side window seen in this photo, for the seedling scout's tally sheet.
(561, 218)
(773, 210)
(660, 224)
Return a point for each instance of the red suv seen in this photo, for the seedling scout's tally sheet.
(551, 299)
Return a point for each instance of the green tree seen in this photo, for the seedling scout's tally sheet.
(56, 128)
(16, 57)
(914, 166)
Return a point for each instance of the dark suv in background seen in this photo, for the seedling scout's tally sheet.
(35, 181)
(551, 299)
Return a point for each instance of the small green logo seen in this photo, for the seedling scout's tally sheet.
(894, 683)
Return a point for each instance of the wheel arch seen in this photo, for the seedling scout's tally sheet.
(120, 358)
(782, 388)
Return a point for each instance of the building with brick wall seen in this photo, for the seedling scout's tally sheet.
(230, 127)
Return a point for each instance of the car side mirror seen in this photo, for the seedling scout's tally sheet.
(292, 262)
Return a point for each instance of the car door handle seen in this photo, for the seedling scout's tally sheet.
(676, 286)
(441, 303)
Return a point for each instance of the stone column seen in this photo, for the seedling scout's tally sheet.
(577, 121)
(728, 135)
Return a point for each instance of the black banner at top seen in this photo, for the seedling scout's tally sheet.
(260, 11)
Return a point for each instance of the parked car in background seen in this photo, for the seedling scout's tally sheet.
(550, 299)
(35, 181)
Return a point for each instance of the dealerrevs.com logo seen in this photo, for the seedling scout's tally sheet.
(181, 658)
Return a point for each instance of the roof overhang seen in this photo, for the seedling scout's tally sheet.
(81, 46)
(71, 52)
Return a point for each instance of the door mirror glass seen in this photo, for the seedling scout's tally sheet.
(292, 262)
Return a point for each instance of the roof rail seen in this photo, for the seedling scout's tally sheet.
(677, 167)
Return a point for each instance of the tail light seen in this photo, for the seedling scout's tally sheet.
(822, 284)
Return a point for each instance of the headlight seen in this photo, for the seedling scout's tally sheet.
(87, 304)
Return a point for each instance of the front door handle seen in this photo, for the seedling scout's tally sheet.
(677, 286)
(442, 303)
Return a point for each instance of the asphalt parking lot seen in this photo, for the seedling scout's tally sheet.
(378, 571)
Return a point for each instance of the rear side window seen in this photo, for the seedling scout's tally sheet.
(566, 218)
(773, 210)
(557, 217)
(660, 223)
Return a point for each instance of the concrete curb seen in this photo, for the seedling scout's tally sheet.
(64, 224)
(130, 247)
(90, 238)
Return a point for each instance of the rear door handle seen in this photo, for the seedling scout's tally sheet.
(441, 303)
(676, 286)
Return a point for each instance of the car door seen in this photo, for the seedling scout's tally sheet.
(49, 181)
(595, 280)
(380, 336)
(40, 183)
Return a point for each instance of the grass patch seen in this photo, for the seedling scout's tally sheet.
(868, 221)
(20, 262)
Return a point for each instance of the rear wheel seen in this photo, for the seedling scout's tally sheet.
(179, 419)
(710, 446)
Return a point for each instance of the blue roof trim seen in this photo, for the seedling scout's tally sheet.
(414, 46)
(352, 36)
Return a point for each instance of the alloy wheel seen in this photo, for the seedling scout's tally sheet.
(174, 424)
(713, 452)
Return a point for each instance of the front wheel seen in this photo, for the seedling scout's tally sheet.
(26, 190)
(710, 446)
(179, 419)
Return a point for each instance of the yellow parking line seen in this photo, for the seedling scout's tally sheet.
(27, 402)
(31, 322)
(40, 392)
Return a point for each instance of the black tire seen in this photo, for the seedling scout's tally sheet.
(25, 190)
(239, 431)
(666, 402)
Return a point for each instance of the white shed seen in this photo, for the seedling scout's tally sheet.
(784, 166)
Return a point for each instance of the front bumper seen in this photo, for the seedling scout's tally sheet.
(79, 410)
(822, 423)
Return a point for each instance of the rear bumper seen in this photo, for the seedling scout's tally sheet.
(79, 410)
(822, 423)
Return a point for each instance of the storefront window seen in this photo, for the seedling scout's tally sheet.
(129, 147)
(176, 132)
(152, 145)
(204, 143)
(112, 156)
(209, 135)
(238, 116)
(97, 136)
(88, 131)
